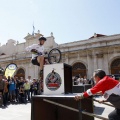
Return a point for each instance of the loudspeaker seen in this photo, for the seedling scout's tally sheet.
(81, 88)
(87, 86)
(78, 89)
(57, 79)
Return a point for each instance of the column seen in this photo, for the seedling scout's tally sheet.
(66, 58)
(90, 66)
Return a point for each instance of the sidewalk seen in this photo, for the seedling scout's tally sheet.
(16, 112)
(101, 109)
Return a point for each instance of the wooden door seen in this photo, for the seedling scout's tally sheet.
(115, 66)
(20, 73)
(79, 68)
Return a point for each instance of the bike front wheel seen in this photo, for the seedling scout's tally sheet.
(54, 56)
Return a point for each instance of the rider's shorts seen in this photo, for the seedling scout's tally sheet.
(34, 61)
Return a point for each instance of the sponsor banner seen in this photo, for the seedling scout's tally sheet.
(10, 70)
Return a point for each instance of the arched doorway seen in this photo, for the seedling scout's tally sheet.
(115, 66)
(20, 73)
(79, 68)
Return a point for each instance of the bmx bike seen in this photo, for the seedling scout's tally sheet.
(53, 56)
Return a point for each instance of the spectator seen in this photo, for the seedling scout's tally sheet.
(22, 95)
(5, 91)
(113, 77)
(30, 81)
(91, 81)
(85, 81)
(35, 86)
(17, 82)
(21, 82)
(27, 90)
(12, 87)
(31, 89)
(2, 87)
(75, 80)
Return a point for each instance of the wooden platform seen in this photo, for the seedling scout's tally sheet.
(51, 107)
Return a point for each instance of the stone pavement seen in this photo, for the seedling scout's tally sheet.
(16, 112)
(23, 111)
(101, 109)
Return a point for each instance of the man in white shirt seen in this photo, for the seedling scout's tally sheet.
(29, 80)
(38, 53)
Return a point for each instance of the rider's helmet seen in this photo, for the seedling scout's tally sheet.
(1, 71)
(42, 38)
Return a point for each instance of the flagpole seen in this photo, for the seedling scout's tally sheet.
(33, 29)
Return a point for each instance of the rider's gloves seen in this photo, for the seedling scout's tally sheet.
(34, 50)
(39, 53)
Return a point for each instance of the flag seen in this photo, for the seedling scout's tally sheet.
(33, 29)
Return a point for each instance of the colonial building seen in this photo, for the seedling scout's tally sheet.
(97, 52)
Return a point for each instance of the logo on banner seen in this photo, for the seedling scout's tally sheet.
(53, 81)
(10, 70)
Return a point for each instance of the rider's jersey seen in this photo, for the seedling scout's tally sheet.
(110, 89)
(39, 48)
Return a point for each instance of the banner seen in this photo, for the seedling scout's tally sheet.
(10, 70)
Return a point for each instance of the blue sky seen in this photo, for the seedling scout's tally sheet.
(69, 20)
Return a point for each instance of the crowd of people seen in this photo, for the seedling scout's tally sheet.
(19, 90)
(79, 80)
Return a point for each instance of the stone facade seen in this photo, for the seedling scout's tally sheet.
(85, 55)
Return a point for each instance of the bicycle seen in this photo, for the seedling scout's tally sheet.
(54, 56)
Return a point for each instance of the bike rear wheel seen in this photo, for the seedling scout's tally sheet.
(54, 56)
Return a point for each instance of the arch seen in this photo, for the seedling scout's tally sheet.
(79, 68)
(20, 73)
(115, 66)
(79, 61)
